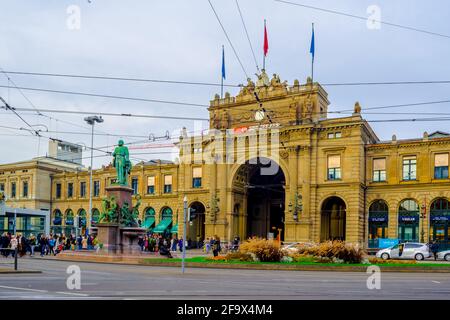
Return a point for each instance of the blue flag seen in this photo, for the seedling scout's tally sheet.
(223, 63)
(312, 49)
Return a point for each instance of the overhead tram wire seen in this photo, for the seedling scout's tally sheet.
(228, 38)
(365, 18)
(376, 83)
(106, 96)
(246, 33)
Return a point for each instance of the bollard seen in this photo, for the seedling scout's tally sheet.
(16, 251)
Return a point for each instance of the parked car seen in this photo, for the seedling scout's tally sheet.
(444, 255)
(410, 250)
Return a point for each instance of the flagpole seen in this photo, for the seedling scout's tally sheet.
(312, 58)
(221, 77)
(264, 54)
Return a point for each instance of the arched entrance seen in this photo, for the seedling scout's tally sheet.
(259, 189)
(196, 231)
(332, 219)
(439, 222)
(56, 221)
(378, 222)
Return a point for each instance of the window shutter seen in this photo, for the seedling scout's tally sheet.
(441, 160)
(379, 164)
(334, 161)
(197, 172)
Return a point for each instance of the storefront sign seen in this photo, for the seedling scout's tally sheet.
(378, 219)
(439, 218)
(409, 218)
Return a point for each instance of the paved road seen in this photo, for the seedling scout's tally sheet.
(109, 281)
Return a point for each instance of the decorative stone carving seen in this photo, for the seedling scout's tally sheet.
(357, 109)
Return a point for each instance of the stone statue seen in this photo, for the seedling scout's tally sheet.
(121, 161)
(357, 107)
(263, 79)
(248, 89)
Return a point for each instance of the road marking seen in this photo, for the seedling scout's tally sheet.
(24, 289)
(73, 293)
(435, 281)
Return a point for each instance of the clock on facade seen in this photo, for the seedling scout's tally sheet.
(259, 115)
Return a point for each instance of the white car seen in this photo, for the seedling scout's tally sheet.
(444, 255)
(411, 250)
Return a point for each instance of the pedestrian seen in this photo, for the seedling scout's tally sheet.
(207, 246)
(216, 246)
(32, 244)
(434, 249)
(13, 245)
(84, 243)
(51, 245)
(180, 244)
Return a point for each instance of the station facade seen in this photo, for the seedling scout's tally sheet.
(273, 163)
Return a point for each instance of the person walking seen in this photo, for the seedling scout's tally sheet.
(180, 244)
(32, 244)
(216, 246)
(434, 249)
(51, 245)
(13, 245)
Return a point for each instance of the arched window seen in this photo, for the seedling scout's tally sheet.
(439, 222)
(69, 217)
(57, 217)
(149, 218)
(166, 213)
(95, 216)
(408, 221)
(82, 217)
(378, 222)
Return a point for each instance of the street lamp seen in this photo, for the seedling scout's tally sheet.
(297, 207)
(185, 211)
(91, 121)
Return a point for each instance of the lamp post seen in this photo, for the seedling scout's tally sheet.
(184, 233)
(91, 121)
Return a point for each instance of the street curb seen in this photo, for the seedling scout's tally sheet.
(19, 271)
(282, 267)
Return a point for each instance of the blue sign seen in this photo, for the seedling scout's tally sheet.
(378, 219)
(386, 243)
(439, 218)
(409, 218)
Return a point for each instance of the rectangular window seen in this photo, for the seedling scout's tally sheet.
(58, 191)
(409, 168)
(168, 184)
(197, 177)
(379, 169)
(134, 185)
(112, 181)
(441, 166)
(96, 188)
(13, 189)
(330, 135)
(25, 189)
(70, 190)
(82, 189)
(150, 185)
(337, 135)
(334, 167)
(2, 187)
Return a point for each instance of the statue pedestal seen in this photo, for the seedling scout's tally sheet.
(129, 240)
(115, 238)
(108, 234)
(122, 194)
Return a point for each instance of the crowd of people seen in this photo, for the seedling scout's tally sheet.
(51, 244)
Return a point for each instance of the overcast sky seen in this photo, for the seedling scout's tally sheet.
(181, 40)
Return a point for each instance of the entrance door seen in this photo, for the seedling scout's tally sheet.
(333, 219)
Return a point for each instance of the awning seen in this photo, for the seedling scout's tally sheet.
(148, 223)
(162, 225)
(174, 229)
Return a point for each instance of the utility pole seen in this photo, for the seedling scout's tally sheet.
(91, 121)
